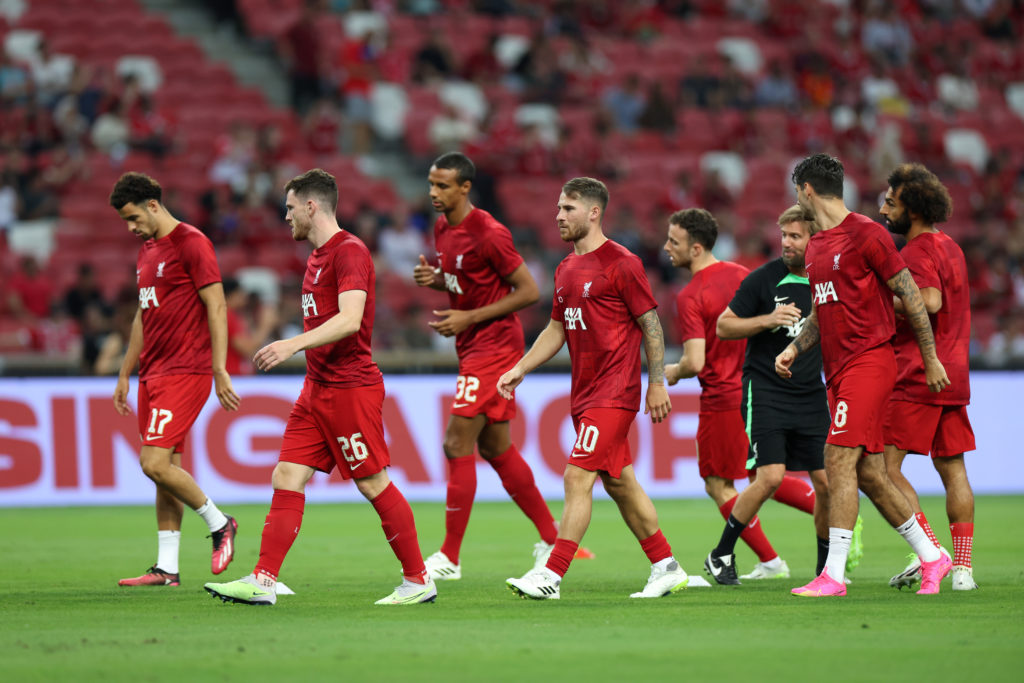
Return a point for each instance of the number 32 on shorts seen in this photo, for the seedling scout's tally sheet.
(466, 387)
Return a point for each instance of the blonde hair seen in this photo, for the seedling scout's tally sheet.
(797, 213)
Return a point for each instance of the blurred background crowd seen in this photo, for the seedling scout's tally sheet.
(673, 103)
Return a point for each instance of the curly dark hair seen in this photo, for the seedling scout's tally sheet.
(823, 172)
(921, 192)
(318, 184)
(699, 224)
(134, 188)
(463, 166)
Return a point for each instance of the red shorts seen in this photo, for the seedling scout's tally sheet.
(340, 426)
(168, 406)
(923, 428)
(857, 398)
(602, 443)
(722, 445)
(476, 389)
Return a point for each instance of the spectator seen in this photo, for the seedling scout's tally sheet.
(658, 114)
(245, 339)
(776, 88)
(300, 48)
(626, 103)
(885, 34)
(433, 62)
(400, 242)
(83, 293)
(30, 292)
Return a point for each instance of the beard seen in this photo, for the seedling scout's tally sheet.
(898, 226)
(794, 261)
(574, 232)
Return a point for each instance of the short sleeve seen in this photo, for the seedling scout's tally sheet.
(688, 315)
(354, 267)
(922, 267)
(880, 253)
(746, 301)
(500, 252)
(633, 286)
(200, 261)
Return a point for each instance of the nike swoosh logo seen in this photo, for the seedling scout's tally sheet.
(392, 538)
(448, 509)
(559, 290)
(781, 298)
(841, 431)
(356, 467)
(807, 265)
(578, 455)
(459, 405)
(714, 571)
(150, 437)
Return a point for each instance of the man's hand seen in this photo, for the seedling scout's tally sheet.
(453, 322)
(672, 373)
(508, 382)
(784, 316)
(659, 405)
(935, 376)
(272, 355)
(229, 400)
(784, 361)
(423, 273)
(121, 396)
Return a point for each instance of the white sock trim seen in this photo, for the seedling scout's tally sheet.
(213, 517)
(168, 544)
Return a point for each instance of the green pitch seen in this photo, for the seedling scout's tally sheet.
(63, 617)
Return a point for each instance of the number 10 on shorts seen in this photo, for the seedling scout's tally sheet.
(352, 447)
(586, 441)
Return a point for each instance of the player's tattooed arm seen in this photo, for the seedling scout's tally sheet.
(810, 335)
(654, 346)
(903, 285)
(657, 403)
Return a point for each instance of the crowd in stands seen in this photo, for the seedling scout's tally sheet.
(674, 103)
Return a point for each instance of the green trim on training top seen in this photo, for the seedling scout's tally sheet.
(791, 279)
(750, 420)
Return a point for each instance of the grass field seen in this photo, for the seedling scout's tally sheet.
(64, 617)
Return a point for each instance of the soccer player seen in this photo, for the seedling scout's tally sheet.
(336, 420)
(602, 307)
(854, 270)
(179, 340)
(722, 444)
(786, 420)
(487, 282)
(917, 420)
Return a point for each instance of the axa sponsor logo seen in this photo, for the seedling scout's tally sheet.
(308, 305)
(574, 317)
(147, 298)
(825, 292)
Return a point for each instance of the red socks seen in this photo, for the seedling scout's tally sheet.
(562, 556)
(517, 478)
(796, 493)
(282, 526)
(923, 521)
(656, 546)
(461, 491)
(963, 539)
(400, 530)
(753, 536)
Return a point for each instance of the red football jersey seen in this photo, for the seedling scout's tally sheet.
(936, 261)
(175, 332)
(699, 304)
(475, 257)
(848, 267)
(598, 297)
(235, 364)
(343, 264)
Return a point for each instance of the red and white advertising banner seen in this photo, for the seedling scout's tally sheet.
(62, 443)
